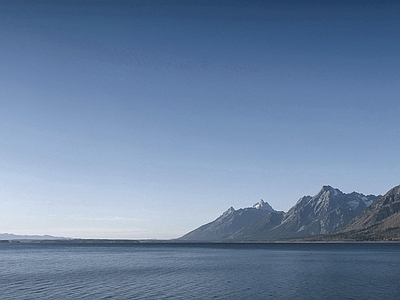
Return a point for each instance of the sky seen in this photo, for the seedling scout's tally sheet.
(147, 119)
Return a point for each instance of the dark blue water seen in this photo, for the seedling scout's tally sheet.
(165, 271)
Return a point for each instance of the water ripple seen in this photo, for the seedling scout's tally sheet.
(163, 272)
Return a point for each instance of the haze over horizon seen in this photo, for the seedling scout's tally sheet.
(146, 119)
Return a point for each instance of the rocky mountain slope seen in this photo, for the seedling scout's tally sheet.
(380, 221)
(229, 223)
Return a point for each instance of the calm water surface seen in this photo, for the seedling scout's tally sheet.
(213, 271)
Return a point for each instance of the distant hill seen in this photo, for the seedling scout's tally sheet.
(10, 237)
(328, 212)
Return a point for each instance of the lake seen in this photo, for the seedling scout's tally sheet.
(200, 271)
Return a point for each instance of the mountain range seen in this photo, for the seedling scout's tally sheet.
(328, 215)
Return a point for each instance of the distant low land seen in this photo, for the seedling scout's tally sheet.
(11, 237)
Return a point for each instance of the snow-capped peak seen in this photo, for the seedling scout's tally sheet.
(367, 201)
(263, 205)
(360, 198)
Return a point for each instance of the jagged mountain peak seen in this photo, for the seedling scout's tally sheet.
(230, 222)
(327, 189)
(263, 205)
(392, 195)
(325, 195)
(229, 211)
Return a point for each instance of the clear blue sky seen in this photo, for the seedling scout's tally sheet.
(146, 119)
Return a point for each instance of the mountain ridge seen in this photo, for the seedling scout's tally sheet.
(325, 214)
(229, 222)
(380, 221)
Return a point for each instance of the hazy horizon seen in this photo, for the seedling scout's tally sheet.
(147, 119)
